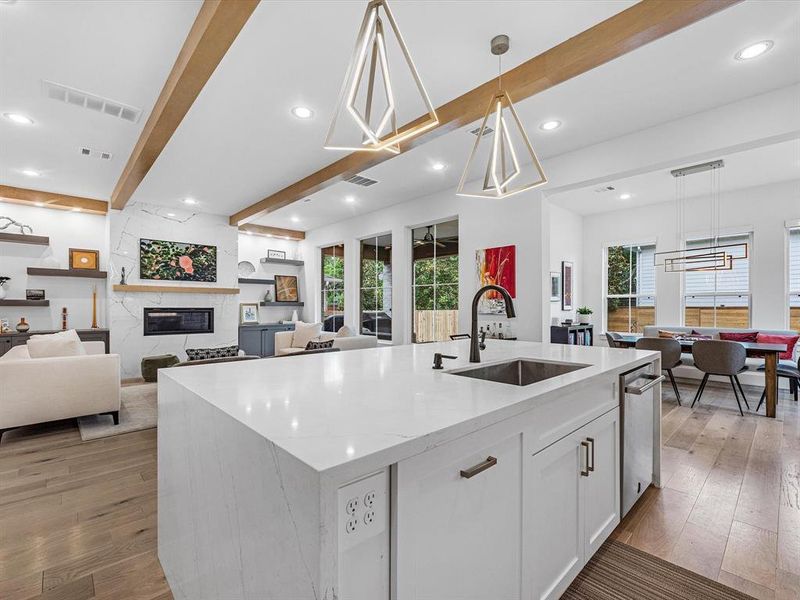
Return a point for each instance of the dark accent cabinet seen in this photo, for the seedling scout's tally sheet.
(259, 340)
(581, 335)
(9, 340)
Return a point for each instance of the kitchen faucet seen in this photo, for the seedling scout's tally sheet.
(474, 349)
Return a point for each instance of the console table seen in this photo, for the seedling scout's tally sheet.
(9, 340)
(259, 340)
(576, 334)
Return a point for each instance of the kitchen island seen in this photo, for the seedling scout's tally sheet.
(369, 475)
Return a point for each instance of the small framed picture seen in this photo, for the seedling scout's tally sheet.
(80, 258)
(286, 288)
(5, 326)
(34, 294)
(566, 285)
(279, 254)
(248, 314)
(555, 286)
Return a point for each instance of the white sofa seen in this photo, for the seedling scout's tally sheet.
(36, 390)
(283, 342)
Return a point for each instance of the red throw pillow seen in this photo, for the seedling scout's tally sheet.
(744, 336)
(789, 340)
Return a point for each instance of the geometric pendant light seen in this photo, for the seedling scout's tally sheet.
(370, 107)
(502, 162)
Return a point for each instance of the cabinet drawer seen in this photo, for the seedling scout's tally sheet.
(459, 521)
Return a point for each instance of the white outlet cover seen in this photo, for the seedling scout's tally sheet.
(355, 526)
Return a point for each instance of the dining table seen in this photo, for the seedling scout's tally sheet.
(769, 352)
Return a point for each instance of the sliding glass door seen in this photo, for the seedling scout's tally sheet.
(332, 260)
(376, 287)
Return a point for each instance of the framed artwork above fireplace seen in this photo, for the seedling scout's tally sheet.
(177, 261)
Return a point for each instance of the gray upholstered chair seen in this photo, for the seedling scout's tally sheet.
(722, 358)
(790, 372)
(613, 340)
(670, 356)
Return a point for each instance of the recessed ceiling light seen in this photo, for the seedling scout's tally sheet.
(18, 118)
(437, 166)
(189, 201)
(550, 125)
(30, 172)
(295, 219)
(38, 204)
(349, 199)
(625, 196)
(754, 50)
(249, 232)
(170, 214)
(302, 112)
(76, 209)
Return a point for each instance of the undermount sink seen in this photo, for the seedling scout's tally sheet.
(520, 372)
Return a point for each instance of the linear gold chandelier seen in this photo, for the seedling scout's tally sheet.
(366, 114)
(507, 170)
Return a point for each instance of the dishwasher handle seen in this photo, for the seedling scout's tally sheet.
(654, 380)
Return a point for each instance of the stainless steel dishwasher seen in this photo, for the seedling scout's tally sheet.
(640, 430)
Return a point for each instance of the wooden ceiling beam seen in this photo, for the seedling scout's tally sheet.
(642, 23)
(217, 24)
(273, 232)
(50, 200)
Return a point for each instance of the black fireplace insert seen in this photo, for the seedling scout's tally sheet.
(178, 321)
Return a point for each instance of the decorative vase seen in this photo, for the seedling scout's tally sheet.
(294, 316)
(23, 325)
(584, 319)
(2, 292)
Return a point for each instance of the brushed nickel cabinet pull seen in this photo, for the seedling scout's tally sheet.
(590, 466)
(479, 468)
(585, 445)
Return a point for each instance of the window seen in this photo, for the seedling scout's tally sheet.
(631, 288)
(794, 278)
(376, 287)
(332, 287)
(435, 282)
(719, 298)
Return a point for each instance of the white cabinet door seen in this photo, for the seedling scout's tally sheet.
(601, 489)
(460, 537)
(554, 524)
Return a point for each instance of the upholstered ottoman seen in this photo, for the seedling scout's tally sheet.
(151, 365)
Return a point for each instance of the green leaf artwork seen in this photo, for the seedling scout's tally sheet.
(177, 261)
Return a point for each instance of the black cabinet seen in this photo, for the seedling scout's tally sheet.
(581, 335)
(259, 340)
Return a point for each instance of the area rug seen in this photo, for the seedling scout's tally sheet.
(138, 410)
(621, 572)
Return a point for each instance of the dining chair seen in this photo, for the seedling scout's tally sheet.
(613, 340)
(790, 372)
(722, 358)
(670, 356)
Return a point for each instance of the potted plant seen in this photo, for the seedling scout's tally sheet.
(584, 315)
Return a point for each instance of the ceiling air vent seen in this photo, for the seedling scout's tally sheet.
(487, 130)
(90, 152)
(604, 189)
(362, 181)
(63, 93)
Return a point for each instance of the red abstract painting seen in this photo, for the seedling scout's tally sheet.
(496, 266)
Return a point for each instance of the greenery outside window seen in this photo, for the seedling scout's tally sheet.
(630, 301)
(376, 287)
(332, 260)
(435, 282)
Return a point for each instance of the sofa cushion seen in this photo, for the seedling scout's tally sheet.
(345, 331)
(739, 336)
(304, 333)
(789, 340)
(207, 353)
(63, 343)
(319, 344)
(663, 333)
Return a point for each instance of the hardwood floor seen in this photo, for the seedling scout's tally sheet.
(78, 519)
(729, 507)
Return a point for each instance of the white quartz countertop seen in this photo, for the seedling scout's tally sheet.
(383, 404)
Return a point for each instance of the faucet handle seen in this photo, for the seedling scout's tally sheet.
(437, 360)
(483, 340)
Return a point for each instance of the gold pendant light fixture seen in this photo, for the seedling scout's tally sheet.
(511, 165)
(368, 110)
(716, 257)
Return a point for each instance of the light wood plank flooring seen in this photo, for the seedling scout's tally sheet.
(78, 519)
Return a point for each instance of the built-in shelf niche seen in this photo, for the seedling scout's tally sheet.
(280, 303)
(283, 261)
(21, 238)
(86, 273)
(256, 281)
(23, 302)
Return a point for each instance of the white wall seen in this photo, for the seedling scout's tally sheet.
(253, 248)
(483, 223)
(566, 244)
(66, 230)
(762, 210)
(142, 220)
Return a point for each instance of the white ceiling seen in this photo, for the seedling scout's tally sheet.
(122, 50)
(759, 166)
(688, 72)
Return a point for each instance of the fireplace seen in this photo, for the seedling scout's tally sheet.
(178, 321)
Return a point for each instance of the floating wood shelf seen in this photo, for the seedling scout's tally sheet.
(19, 238)
(280, 304)
(174, 289)
(258, 281)
(43, 272)
(283, 261)
(22, 302)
